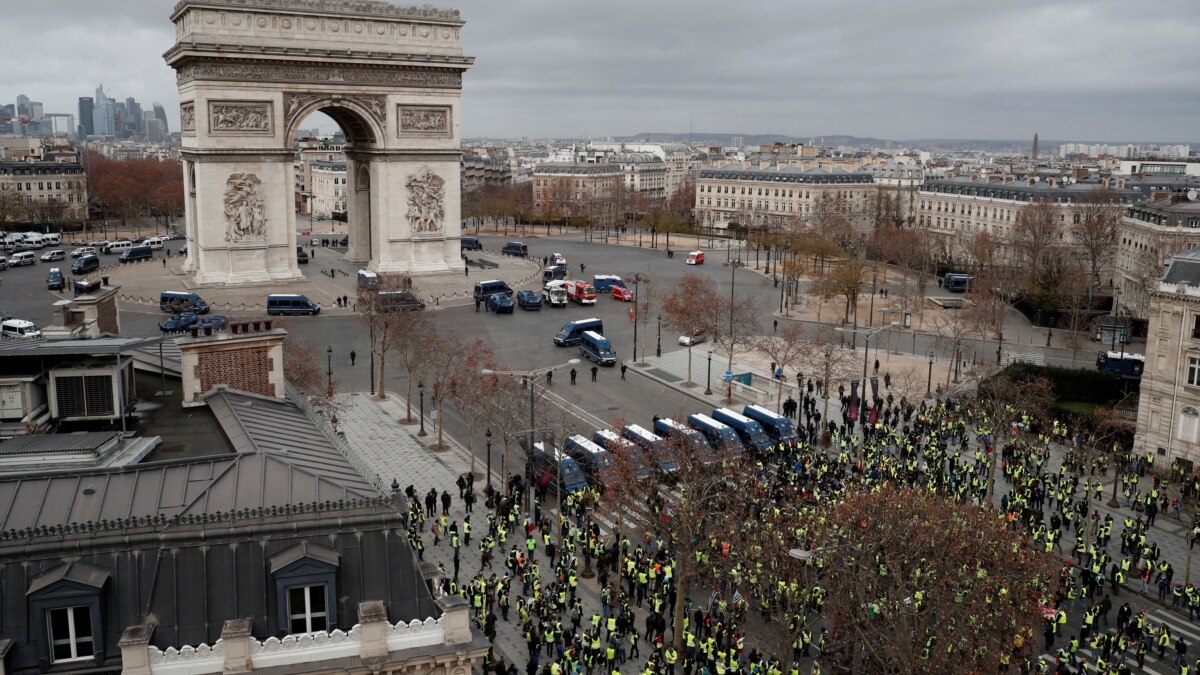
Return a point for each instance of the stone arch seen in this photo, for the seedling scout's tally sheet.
(361, 118)
(250, 71)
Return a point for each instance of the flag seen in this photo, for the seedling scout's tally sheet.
(737, 596)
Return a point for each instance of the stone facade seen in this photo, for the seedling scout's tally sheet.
(250, 72)
(1168, 424)
(1151, 232)
(782, 197)
(562, 190)
(36, 191)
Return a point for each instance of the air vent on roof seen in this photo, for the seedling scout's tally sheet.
(89, 490)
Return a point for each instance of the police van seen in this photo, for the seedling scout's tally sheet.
(595, 347)
(572, 331)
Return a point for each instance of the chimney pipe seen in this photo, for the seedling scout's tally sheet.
(256, 325)
(193, 330)
(267, 324)
(208, 329)
(104, 280)
(233, 328)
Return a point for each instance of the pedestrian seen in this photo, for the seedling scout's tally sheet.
(165, 260)
(573, 374)
(346, 303)
(623, 368)
(352, 357)
(549, 377)
(466, 271)
(877, 367)
(476, 305)
(775, 325)
(594, 370)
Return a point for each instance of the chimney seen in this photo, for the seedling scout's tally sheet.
(1053, 181)
(1104, 181)
(242, 360)
(1080, 172)
(1030, 180)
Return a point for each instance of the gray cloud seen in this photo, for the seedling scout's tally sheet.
(1101, 69)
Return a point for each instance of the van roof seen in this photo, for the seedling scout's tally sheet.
(579, 321)
(763, 411)
(594, 335)
(489, 281)
(643, 432)
(667, 421)
(712, 422)
(735, 415)
(18, 323)
(607, 276)
(367, 273)
(696, 253)
(557, 283)
(586, 444)
(286, 295)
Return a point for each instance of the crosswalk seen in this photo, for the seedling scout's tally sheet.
(1180, 627)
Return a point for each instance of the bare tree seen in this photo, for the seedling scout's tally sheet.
(442, 355)
(734, 332)
(848, 279)
(1097, 220)
(1035, 232)
(470, 390)
(408, 341)
(383, 316)
(691, 308)
(1001, 403)
(786, 350)
(951, 327)
(873, 553)
(831, 364)
(302, 369)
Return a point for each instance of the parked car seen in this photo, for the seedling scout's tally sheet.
(470, 244)
(558, 259)
(78, 242)
(301, 256)
(529, 300)
(179, 323)
(693, 339)
(500, 304)
(82, 251)
(52, 256)
(515, 248)
(621, 293)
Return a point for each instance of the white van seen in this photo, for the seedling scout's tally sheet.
(19, 329)
(35, 240)
(22, 258)
(118, 246)
(155, 243)
(52, 239)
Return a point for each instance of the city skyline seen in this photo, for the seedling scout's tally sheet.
(1066, 71)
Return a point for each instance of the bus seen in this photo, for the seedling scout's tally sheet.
(957, 283)
(1128, 366)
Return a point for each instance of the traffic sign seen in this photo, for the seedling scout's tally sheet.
(728, 375)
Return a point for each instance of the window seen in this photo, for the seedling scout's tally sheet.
(1196, 327)
(1193, 371)
(307, 609)
(70, 634)
(1189, 424)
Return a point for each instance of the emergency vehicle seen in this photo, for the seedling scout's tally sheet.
(580, 291)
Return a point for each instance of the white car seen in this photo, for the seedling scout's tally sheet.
(693, 339)
(56, 254)
(558, 259)
(19, 329)
(82, 251)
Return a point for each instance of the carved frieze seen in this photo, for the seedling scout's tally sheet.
(294, 103)
(245, 208)
(187, 118)
(426, 201)
(240, 118)
(423, 120)
(309, 73)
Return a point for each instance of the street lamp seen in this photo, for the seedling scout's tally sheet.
(658, 350)
(329, 368)
(421, 391)
(488, 435)
(733, 265)
(708, 385)
(929, 384)
(532, 377)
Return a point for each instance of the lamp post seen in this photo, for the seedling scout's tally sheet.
(733, 265)
(421, 392)
(532, 377)
(329, 368)
(929, 383)
(488, 435)
(658, 349)
(708, 385)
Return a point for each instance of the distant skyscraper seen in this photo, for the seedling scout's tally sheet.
(104, 114)
(161, 115)
(133, 117)
(22, 105)
(1035, 143)
(737, 141)
(156, 130)
(86, 128)
(35, 111)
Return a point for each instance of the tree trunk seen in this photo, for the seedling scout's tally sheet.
(408, 401)
(689, 377)
(681, 582)
(440, 437)
(379, 395)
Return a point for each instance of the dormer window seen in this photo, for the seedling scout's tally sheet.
(305, 588)
(66, 609)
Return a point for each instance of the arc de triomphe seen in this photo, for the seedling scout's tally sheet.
(250, 71)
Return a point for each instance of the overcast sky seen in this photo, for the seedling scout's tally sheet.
(1067, 69)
